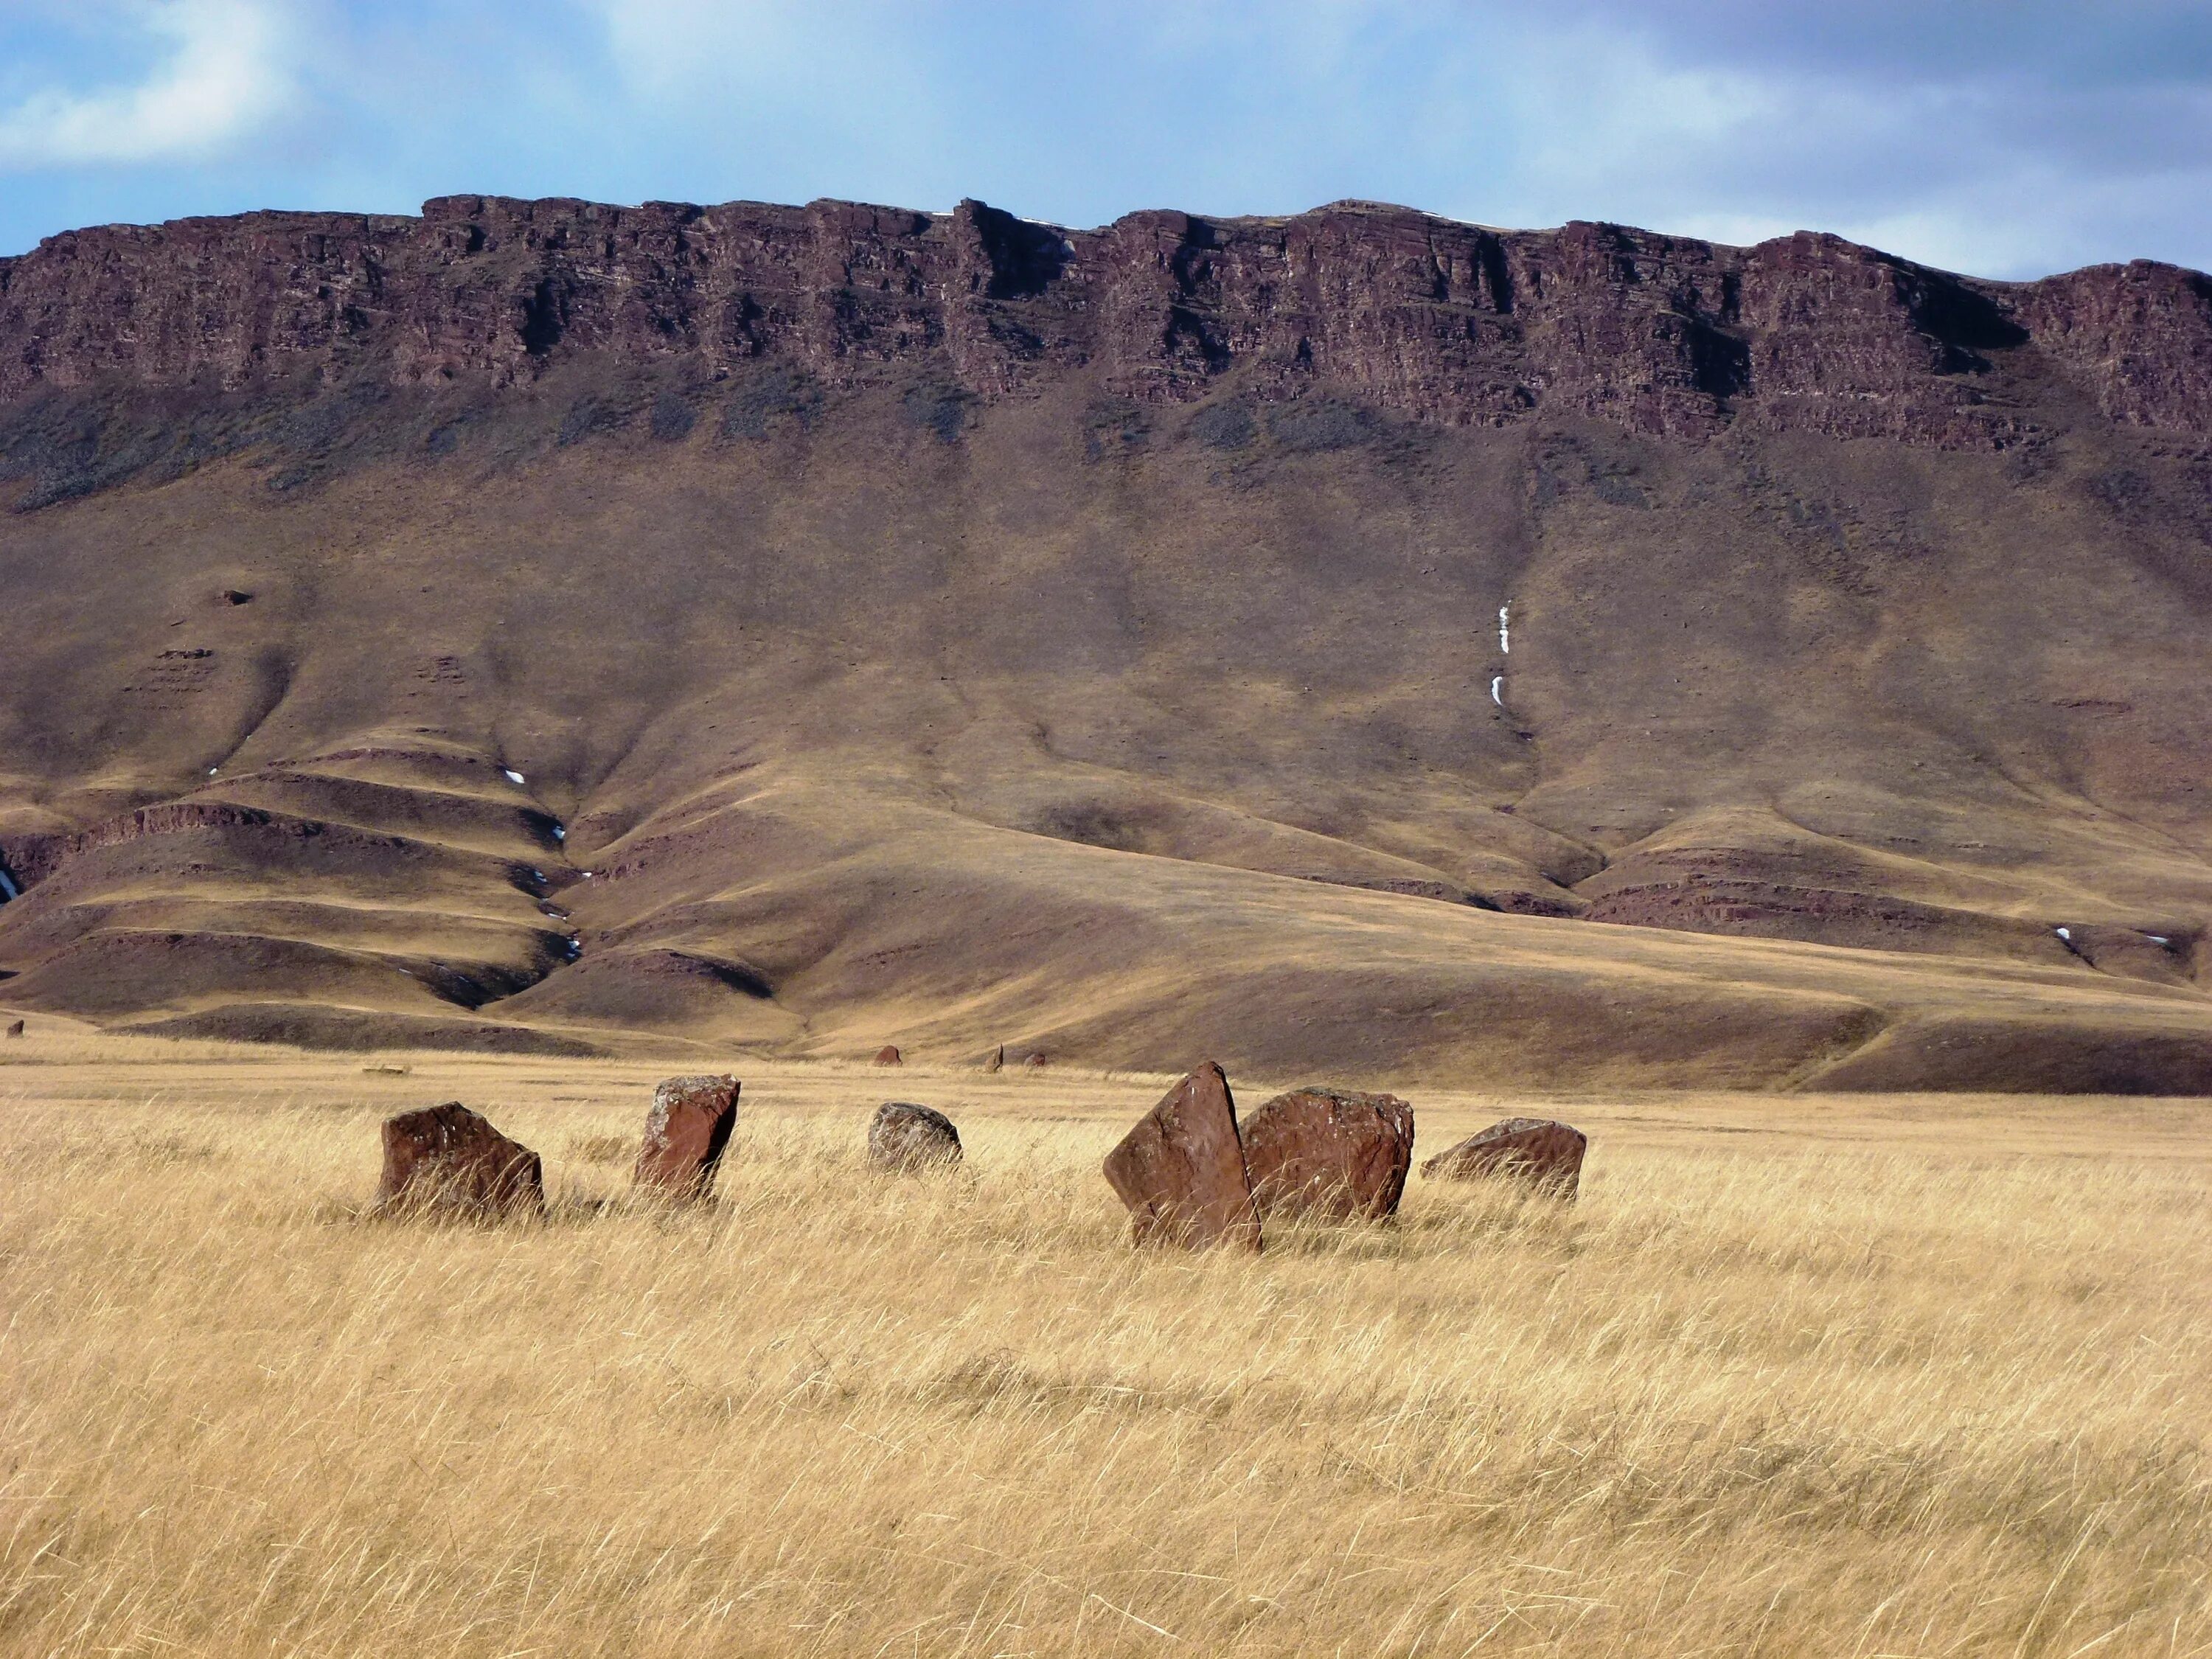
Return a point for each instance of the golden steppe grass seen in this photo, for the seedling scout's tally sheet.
(1838, 1377)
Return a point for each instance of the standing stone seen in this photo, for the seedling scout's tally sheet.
(905, 1137)
(1545, 1154)
(448, 1160)
(889, 1056)
(685, 1132)
(1181, 1170)
(996, 1059)
(15, 1028)
(1329, 1153)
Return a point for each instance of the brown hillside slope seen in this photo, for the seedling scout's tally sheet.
(950, 630)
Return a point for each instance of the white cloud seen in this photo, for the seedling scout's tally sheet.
(226, 70)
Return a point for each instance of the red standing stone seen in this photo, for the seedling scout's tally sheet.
(890, 1055)
(1181, 1170)
(685, 1132)
(1330, 1154)
(448, 1160)
(1544, 1153)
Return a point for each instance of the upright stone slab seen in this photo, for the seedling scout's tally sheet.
(1330, 1154)
(1181, 1170)
(685, 1132)
(1544, 1153)
(905, 1137)
(15, 1028)
(996, 1059)
(890, 1055)
(448, 1160)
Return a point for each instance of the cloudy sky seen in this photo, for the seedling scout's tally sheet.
(2007, 138)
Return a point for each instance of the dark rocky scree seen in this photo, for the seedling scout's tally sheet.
(1424, 317)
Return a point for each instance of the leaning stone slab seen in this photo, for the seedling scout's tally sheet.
(1181, 1170)
(15, 1028)
(446, 1160)
(905, 1137)
(1544, 1153)
(685, 1134)
(1329, 1153)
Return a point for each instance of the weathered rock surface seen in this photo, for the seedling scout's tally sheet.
(685, 1134)
(1331, 1153)
(1431, 317)
(905, 1137)
(1544, 1153)
(996, 1059)
(1181, 1171)
(15, 1028)
(890, 1055)
(449, 1160)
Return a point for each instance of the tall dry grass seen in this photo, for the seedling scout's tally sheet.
(1778, 1401)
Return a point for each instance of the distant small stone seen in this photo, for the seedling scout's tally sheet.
(236, 596)
(1329, 1153)
(685, 1134)
(1034, 1061)
(1545, 1154)
(1181, 1170)
(448, 1160)
(15, 1028)
(905, 1137)
(890, 1055)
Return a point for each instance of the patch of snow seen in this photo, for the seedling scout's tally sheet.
(513, 776)
(540, 874)
(1498, 689)
(8, 888)
(1504, 638)
(212, 771)
(2064, 934)
(2155, 939)
(560, 834)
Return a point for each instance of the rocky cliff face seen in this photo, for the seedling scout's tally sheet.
(1429, 318)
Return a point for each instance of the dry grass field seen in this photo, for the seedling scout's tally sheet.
(1857, 1376)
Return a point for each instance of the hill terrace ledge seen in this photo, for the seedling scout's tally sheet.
(1428, 318)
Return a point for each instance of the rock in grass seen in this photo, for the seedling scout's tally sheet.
(15, 1028)
(905, 1137)
(1330, 1154)
(448, 1160)
(1544, 1154)
(685, 1134)
(890, 1055)
(1181, 1170)
(1035, 1062)
(996, 1059)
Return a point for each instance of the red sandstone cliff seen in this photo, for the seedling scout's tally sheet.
(1446, 321)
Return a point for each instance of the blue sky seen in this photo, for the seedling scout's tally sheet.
(2007, 138)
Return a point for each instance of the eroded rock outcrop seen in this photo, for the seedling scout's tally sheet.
(1331, 1153)
(1181, 1171)
(1429, 317)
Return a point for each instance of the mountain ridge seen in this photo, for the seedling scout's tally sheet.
(812, 628)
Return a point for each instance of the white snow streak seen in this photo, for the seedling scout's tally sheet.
(1498, 689)
(8, 888)
(513, 776)
(2064, 935)
(1504, 637)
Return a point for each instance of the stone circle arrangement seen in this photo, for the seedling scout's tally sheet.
(1189, 1174)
